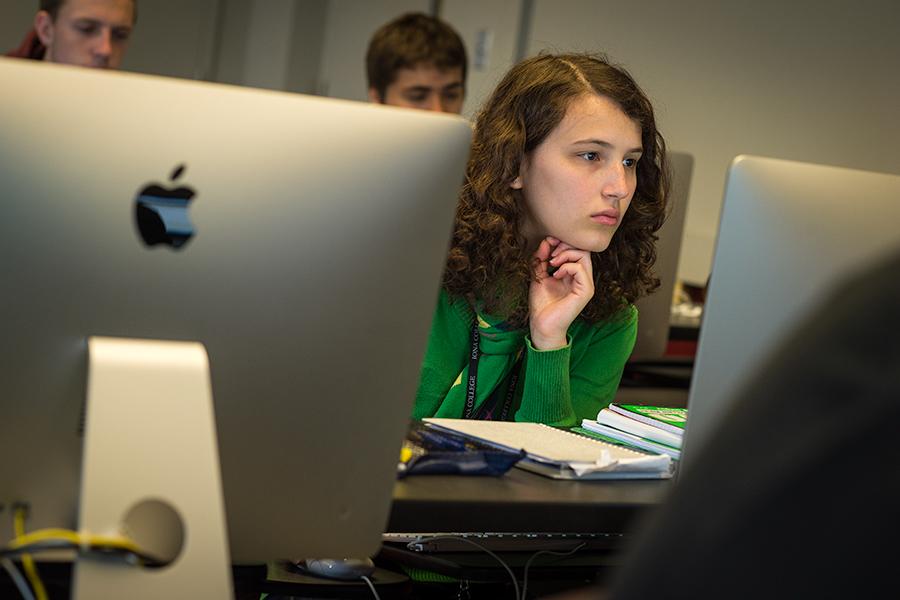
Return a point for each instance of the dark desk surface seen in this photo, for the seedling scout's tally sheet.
(520, 501)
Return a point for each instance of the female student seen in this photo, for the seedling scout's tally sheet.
(554, 237)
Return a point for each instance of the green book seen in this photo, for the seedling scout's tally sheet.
(665, 418)
(595, 429)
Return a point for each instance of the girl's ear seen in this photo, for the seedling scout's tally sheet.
(516, 183)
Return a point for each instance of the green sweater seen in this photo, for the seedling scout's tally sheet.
(558, 387)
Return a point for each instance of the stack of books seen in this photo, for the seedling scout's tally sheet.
(655, 429)
(558, 453)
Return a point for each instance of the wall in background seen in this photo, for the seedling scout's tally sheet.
(348, 26)
(491, 31)
(15, 21)
(172, 37)
(275, 44)
(810, 80)
(270, 44)
(307, 46)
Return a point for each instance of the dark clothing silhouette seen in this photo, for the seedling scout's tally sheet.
(797, 495)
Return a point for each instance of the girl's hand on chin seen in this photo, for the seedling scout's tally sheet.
(563, 286)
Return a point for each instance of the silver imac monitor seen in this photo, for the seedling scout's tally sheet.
(788, 232)
(300, 240)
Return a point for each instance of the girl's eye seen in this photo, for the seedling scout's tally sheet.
(630, 163)
(590, 156)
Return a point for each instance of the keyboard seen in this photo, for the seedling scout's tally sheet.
(503, 542)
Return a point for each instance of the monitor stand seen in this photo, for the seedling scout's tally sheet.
(151, 472)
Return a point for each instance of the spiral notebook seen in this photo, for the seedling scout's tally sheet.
(558, 453)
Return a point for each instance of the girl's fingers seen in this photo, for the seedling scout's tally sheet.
(570, 255)
(541, 257)
(581, 277)
(561, 247)
(574, 270)
(543, 251)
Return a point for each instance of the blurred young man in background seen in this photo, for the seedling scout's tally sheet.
(417, 61)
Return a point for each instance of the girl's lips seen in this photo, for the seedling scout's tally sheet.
(607, 217)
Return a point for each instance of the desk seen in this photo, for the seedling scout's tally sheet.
(520, 501)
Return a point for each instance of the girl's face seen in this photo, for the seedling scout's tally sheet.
(578, 183)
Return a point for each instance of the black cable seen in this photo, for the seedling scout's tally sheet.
(480, 547)
(538, 553)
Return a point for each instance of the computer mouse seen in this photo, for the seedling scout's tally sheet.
(338, 568)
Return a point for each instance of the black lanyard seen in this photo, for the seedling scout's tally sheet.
(472, 383)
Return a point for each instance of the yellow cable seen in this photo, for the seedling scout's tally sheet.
(26, 539)
(80, 540)
(27, 562)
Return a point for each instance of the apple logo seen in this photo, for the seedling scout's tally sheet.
(162, 213)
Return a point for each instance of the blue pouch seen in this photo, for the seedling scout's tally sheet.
(431, 452)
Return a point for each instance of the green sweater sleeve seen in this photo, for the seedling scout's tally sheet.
(445, 356)
(564, 386)
(559, 387)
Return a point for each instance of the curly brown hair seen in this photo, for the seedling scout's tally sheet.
(489, 261)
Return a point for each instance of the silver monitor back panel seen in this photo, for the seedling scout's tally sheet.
(655, 310)
(788, 232)
(321, 228)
